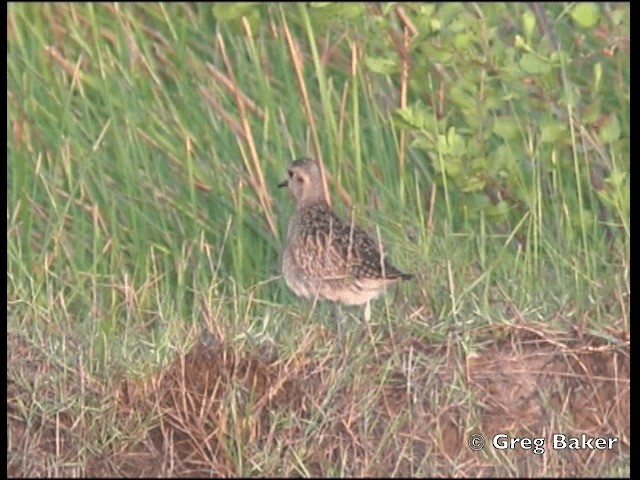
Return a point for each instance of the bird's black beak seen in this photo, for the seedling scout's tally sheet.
(285, 183)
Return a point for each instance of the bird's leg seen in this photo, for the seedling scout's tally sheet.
(367, 311)
(338, 317)
(336, 311)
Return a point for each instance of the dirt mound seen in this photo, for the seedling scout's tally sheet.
(524, 385)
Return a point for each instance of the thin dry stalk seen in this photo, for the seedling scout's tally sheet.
(297, 67)
(259, 184)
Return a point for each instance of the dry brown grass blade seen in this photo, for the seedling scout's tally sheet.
(228, 119)
(409, 27)
(253, 169)
(229, 85)
(404, 77)
(297, 67)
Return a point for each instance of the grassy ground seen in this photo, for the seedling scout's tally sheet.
(149, 332)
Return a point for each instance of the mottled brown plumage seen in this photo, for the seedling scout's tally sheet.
(324, 256)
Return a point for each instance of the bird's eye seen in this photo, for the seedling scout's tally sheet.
(290, 173)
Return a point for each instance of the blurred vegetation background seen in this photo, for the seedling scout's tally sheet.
(489, 143)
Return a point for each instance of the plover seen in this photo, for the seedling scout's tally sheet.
(325, 257)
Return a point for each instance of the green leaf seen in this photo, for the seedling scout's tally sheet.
(521, 43)
(232, 14)
(504, 157)
(528, 23)
(597, 76)
(425, 9)
(475, 148)
(592, 111)
(505, 127)
(551, 131)
(453, 167)
(461, 97)
(617, 178)
(607, 198)
(226, 12)
(585, 14)
(474, 183)
(620, 16)
(500, 209)
(571, 96)
(449, 11)
(463, 40)
(610, 129)
(436, 53)
(382, 65)
(479, 164)
(410, 117)
(451, 144)
(455, 143)
(336, 10)
(533, 64)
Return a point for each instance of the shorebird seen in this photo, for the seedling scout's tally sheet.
(325, 257)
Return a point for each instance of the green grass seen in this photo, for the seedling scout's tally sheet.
(144, 146)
